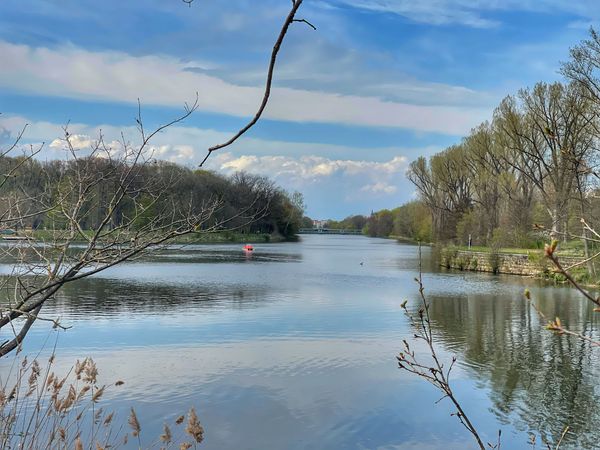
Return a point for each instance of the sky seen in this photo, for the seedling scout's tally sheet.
(378, 84)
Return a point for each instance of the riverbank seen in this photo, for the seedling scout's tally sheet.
(522, 262)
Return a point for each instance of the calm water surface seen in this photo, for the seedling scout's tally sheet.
(294, 347)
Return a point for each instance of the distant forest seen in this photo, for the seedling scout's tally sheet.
(410, 221)
(246, 203)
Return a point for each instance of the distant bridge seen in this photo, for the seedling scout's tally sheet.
(328, 231)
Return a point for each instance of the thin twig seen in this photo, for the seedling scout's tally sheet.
(434, 374)
(267, 92)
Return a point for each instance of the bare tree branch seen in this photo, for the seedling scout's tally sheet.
(267, 92)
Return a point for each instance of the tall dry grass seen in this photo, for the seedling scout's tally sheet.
(40, 409)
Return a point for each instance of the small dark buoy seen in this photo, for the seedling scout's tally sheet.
(361, 263)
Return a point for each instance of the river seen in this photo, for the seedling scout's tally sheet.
(294, 347)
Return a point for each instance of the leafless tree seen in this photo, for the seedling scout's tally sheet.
(446, 187)
(549, 132)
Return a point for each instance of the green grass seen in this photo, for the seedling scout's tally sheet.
(571, 248)
(514, 251)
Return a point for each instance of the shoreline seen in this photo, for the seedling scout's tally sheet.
(528, 263)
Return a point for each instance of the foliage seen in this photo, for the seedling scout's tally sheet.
(410, 221)
(353, 223)
(380, 224)
(276, 211)
(544, 145)
(532, 164)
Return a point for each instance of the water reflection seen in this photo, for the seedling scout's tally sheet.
(538, 381)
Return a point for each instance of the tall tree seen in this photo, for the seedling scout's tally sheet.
(549, 134)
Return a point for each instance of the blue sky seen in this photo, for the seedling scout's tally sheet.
(379, 83)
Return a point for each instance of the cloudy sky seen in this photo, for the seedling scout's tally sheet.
(379, 83)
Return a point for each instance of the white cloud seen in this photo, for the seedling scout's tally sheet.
(189, 144)
(328, 183)
(186, 145)
(322, 65)
(436, 12)
(5, 135)
(161, 80)
(470, 12)
(179, 153)
(379, 188)
(311, 167)
(88, 144)
(175, 153)
(77, 141)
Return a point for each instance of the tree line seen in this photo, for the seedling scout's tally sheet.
(531, 164)
(529, 172)
(410, 221)
(160, 192)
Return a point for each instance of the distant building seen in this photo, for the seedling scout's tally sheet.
(319, 224)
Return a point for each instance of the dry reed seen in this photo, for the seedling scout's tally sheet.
(39, 409)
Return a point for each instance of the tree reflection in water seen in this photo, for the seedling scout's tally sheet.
(539, 381)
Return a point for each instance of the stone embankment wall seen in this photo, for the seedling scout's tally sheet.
(532, 264)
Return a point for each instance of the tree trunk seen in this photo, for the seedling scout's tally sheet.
(590, 264)
(555, 219)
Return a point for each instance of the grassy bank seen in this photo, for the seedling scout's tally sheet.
(573, 248)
